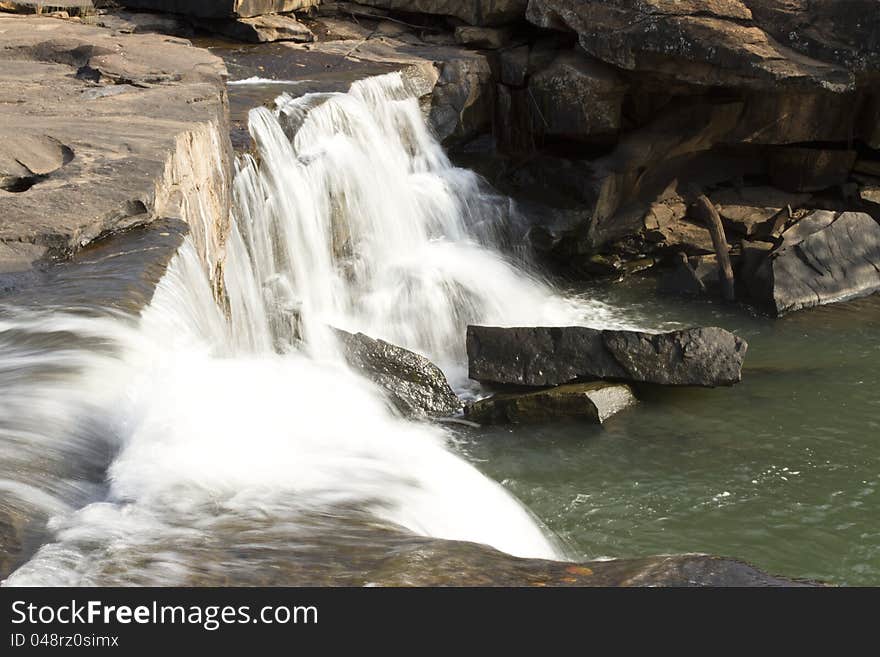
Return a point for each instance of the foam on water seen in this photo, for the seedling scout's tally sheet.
(352, 216)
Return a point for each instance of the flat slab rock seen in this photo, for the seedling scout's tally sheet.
(415, 386)
(106, 149)
(593, 402)
(544, 356)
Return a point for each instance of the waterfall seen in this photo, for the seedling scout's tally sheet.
(389, 238)
(227, 424)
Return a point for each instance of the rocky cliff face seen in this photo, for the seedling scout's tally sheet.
(133, 130)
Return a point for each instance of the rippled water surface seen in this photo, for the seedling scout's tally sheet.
(782, 470)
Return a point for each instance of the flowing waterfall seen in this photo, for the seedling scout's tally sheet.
(244, 422)
(355, 218)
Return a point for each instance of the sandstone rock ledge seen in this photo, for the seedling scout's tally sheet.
(101, 132)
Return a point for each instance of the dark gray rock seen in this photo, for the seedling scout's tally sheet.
(576, 97)
(541, 356)
(416, 386)
(798, 169)
(716, 43)
(514, 65)
(593, 402)
(692, 276)
(824, 258)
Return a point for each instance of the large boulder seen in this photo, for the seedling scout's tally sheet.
(843, 32)
(221, 8)
(262, 29)
(542, 356)
(593, 402)
(415, 386)
(825, 257)
(576, 97)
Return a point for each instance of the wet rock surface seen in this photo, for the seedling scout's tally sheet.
(593, 402)
(415, 386)
(338, 550)
(454, 84)
(541, 356)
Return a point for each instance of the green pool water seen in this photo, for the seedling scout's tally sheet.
(782, 470)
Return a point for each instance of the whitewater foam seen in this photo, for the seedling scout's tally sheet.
(351, 216)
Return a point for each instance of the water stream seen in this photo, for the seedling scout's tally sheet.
(200, 442)
(194, 425)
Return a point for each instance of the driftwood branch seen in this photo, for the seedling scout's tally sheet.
(708, 214)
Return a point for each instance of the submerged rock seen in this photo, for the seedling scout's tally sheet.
(825, 257)
(472, 565)
(416, 386)
(595, 402)
(541, 356)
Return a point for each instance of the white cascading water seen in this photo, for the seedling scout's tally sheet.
(350, 216)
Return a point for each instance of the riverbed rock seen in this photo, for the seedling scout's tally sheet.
(415, 386)
(262, 29)
(542, 356)
(824, 258)
(666, 225)
(692, 276)
(221, 8)
(12, 523)
(592, 402)
(135, 130)
(454, 85)
(752, 211)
